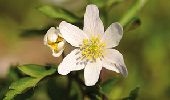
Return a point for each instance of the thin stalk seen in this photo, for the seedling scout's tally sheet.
(131, 13)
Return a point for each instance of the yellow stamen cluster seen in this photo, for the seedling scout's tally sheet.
(54, 45)
(92, 48)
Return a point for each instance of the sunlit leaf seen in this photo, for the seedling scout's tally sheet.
(19, 86)
(58, 13)
(36, 72)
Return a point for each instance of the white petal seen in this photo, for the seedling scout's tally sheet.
(113, 35)
(60, 48)
(52, 35)
(61, 45)
(92, 72)
(72, 34)
(92, 22)
(115, 57)
(106, 64)
(58, 53)
(69, 63)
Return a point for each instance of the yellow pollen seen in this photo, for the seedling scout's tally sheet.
(54, 45)
(92, 48)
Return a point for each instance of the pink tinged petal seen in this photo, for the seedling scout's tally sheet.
(113, 35)
(72, 34)
(92, 23)
(71, 63)
(92, 72)
(114, 57)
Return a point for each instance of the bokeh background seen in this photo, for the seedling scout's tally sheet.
(146, 49)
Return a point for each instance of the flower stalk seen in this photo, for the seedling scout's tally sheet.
(131, 13)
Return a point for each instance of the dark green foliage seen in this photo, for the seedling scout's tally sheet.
(106, 86)
(34, 32)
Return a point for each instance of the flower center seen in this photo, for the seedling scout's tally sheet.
(54, 45)
(92, 49)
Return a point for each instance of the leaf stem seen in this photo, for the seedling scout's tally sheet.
(131, 13)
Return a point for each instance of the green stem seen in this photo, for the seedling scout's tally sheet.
(131, 13)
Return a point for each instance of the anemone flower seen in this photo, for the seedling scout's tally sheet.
(93, 47)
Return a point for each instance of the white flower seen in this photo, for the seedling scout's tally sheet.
(94, 47)
(54, 40)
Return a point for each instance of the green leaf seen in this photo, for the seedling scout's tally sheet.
(36, 72)
(57, 88)
(94, 92)
(112, 2)
(99, 3)
(58, 13)
(105, 87)
(23, 83)
(19, 86)
(133, 94)
(75, 92)
(104, 3)
(27, 33)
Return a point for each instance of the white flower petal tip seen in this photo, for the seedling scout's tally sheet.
(114, 61)
(57, 54)
(63, 71)
(71, 63)
(113, 35)
(93, 26)
(90, 83)
(54, 40)
(123, 70)
(92, 72)
(72, 34)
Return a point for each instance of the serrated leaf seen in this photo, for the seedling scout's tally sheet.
(58, 13)
(36, 72)
(24, 82)
(19, 86)
(105, 87)
(11, 94)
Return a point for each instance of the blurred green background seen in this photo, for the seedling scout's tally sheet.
(146, 49)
